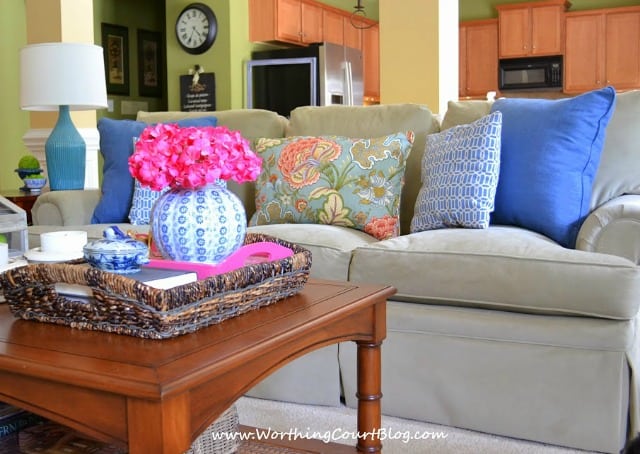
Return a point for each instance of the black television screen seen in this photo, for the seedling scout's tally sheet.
(281, 84)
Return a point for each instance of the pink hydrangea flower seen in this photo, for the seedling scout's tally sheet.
(191, 157)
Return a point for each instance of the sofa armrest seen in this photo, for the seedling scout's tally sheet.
(65, 207)
(613, 228)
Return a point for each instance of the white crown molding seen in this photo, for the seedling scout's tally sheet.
(34, 140)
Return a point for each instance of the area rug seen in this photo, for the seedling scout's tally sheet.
(401, 436)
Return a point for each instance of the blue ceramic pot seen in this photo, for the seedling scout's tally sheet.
(116, 252)
(35, 184)
(204, 225)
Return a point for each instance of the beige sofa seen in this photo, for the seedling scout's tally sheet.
(499, 330)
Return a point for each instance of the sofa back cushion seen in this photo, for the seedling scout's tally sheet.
(366, 122)
(619, 170)
(464, 112)
(252, 124)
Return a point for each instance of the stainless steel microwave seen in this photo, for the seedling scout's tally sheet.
(531, 73)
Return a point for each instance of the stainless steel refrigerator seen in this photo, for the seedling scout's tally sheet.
(321, 74)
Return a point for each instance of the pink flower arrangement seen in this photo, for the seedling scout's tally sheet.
(167, 155)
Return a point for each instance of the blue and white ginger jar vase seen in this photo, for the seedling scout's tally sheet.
(205, 225)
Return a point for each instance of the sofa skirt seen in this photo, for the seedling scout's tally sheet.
(556, 380)
(312, 379)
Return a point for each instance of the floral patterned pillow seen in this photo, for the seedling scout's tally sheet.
(333, 180)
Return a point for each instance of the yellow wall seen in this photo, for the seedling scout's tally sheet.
(57, 21)
(418, 64)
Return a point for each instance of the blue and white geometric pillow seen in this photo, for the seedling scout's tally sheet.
(460, 170)
(141, 204)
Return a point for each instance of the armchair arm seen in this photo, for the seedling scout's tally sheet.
(65, 207)
(613, 228)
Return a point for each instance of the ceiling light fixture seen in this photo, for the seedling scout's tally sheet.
(358, 10)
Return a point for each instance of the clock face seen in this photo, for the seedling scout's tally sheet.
(196, 28)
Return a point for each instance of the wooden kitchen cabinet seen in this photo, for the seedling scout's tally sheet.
(478, 59)
(531, 29)
(353, 31)
(622, 49)
(291, 21)
(307, 21)
(602, 48)
(333, 27)
(582, 55)
(371, 62)
(311, 15)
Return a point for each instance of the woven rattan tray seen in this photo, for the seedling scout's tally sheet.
(124, 305)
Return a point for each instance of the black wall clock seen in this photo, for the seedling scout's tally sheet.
(196, 28)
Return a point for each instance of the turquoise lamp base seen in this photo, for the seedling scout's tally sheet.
(65, 152)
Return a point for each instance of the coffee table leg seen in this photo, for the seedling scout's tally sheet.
(159, 427)
(369, 394)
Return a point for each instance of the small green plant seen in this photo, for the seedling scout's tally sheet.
(28, 162)
(35, 176)
(3, 238)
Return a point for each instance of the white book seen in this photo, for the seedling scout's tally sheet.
(154, 277)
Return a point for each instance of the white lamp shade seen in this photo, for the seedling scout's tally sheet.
(62, 74)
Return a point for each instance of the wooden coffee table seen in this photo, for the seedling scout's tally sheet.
(157, 396)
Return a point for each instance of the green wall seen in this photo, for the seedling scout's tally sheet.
(224, 58)
(476, 9)
(15, 122)
(370, 6)
(138, 15)
(229, 52)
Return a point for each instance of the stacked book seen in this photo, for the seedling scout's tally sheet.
(12, 421)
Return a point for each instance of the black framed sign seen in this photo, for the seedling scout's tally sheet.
(198, 92)
(150, 63)
(115, 42)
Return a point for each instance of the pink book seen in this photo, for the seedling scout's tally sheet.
(248, 254)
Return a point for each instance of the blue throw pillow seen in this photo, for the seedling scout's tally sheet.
(116, 145)
(460, 168)
(549, 157)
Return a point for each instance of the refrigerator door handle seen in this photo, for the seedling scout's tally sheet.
(348, 84)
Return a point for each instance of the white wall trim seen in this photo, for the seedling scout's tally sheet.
(34, 140)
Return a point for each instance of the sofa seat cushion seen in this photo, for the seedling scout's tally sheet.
(501, 267)
(330, 245)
